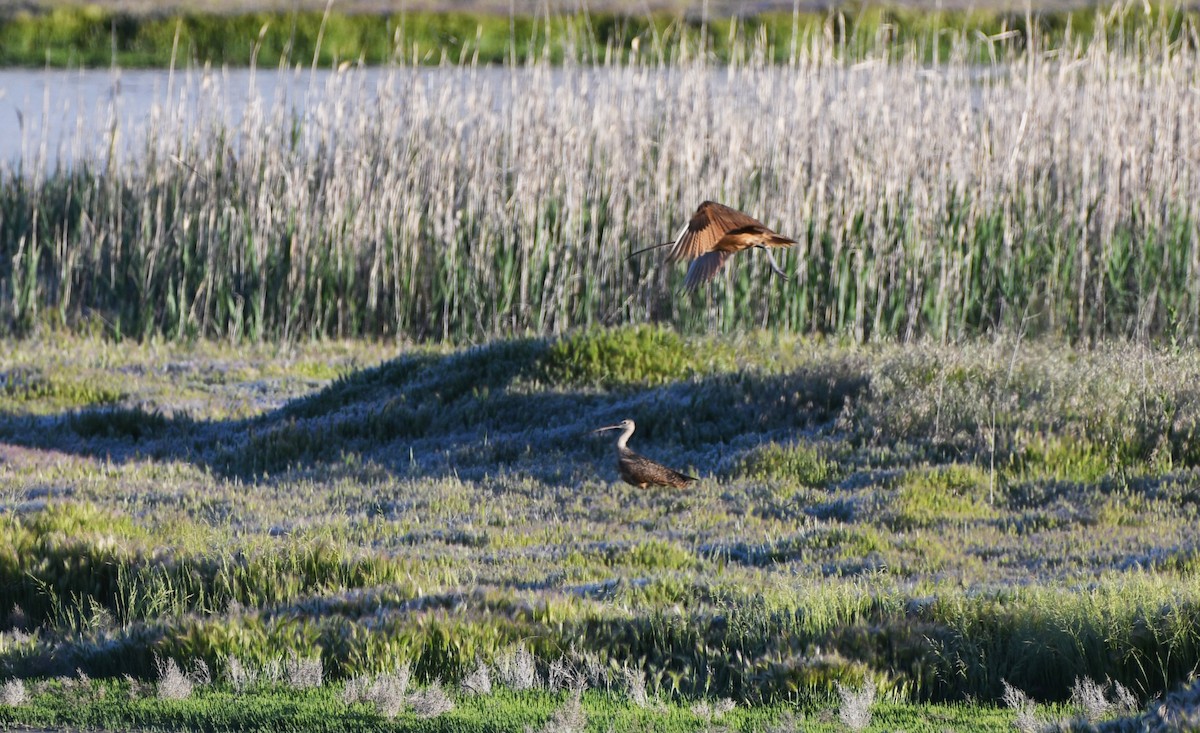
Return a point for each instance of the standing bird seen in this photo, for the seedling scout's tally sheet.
(639, 470)
(714, 233)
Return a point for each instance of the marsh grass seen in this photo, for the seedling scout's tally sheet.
(115, 706)
(1045, 190)
(498, 535)
(90, 36)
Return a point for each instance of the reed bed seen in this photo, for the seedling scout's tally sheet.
(1047, 190)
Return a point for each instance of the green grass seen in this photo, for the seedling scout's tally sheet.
(115, 705)
(799, 463)
(839, 534)
(90, 36)
(633, 356)
(951, 494)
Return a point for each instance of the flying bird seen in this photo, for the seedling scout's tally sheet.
(641, 471)
(715, 233)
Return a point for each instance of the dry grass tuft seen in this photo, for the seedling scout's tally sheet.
(13, 693)
(479, 681)
(241, 677)
(855, 708)
(565, 675)
(516, 669)
(1093, 700)
(713, 711)
(173, 684)
(431, 701)
(303, 672)
(569, 718)
(1026, 720)
(635, 686)
(386, 692)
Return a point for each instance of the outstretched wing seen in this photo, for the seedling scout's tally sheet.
(704, 268)
(710, 222)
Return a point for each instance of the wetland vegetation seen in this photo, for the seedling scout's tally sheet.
(934, 521)
(295, 402)
(91, 36)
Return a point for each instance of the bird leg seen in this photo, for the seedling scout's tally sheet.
(774, 264)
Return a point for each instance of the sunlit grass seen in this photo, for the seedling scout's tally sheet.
(93, 36)
(854, 520)
(115, 705)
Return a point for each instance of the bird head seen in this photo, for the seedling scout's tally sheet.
(623, 425)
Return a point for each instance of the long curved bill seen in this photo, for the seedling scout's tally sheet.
(647, 249)
(610, 427)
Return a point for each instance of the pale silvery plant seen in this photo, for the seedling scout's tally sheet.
(855, 708)
(173, 684)
(12, 693)
(516, 669)
(431, 701)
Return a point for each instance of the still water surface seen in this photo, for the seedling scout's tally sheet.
(57, 117)
(53, 117)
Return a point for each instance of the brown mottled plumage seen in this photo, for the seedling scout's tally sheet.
(714, 233)
(641, 471)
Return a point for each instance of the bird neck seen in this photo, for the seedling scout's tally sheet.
(621, 441)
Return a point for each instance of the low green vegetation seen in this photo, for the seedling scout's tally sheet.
(800, 463)
(952, 494)
(642, 355)
(75, 36)
(116, 705)
(966, 497)
(441, 511)
(53, 392)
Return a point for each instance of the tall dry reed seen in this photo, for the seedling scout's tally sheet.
(1053, 190)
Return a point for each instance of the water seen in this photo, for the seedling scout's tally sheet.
(55, 117)
(52, 117)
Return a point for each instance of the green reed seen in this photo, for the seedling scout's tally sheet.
(96, 37)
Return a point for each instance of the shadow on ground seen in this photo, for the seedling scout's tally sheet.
(470, 413)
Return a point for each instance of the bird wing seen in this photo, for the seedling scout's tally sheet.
(638, 470)
(704, 268)
(710, 222)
